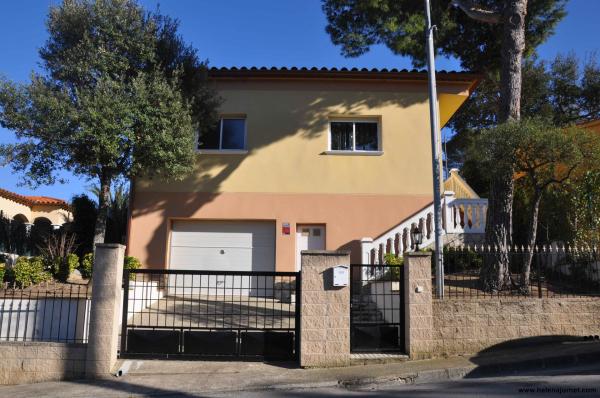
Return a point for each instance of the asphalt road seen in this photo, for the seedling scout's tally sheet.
(570, 382)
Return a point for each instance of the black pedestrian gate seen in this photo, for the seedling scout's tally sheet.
(377, 308)
(210, 314)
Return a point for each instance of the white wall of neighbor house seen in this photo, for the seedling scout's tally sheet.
(11, 208)
(55, 214)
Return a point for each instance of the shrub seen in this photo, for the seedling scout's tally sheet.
(2, 272)
(131, 263)
(392, 259)
(66, 266)
(29, 271)
(393, 273)
(86, 265)
(459, 260)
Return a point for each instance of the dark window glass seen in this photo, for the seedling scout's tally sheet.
(341, 136)
(210, 139)
(366, 137)
(233, 134)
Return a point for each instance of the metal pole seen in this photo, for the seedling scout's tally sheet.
(435, 150)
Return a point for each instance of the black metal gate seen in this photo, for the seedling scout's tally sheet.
(377, 308)
(210, 314)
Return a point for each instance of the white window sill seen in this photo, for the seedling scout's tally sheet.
(222, 151)
(354, 153)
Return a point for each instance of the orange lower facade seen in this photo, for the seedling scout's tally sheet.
(347, 219)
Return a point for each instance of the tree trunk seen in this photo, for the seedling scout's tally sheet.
(495, 273)
(531, 238)
(103, 202)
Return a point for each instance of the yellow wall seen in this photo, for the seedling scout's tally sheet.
(287, 135)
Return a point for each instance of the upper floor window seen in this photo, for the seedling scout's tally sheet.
(229, 134)
(354, 136)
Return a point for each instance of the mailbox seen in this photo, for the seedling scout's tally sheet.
(341, 275)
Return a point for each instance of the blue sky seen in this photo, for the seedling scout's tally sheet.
(243, 33)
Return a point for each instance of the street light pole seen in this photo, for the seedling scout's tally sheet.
(436, 155)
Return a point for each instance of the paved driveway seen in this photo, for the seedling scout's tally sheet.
(203, 311)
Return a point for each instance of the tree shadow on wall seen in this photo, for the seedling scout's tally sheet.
(212, 171)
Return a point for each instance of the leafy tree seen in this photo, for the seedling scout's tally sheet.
(542, 156)
(561, 91)
(85, 212)
(121, 96)
(585, 209)
(491, 36)
(118, 207)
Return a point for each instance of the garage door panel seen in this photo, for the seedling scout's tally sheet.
(223, 245)
(198, 258)
(223, 234)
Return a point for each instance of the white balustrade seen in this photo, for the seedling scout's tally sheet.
(459, 216)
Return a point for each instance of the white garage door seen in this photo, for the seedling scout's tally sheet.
(223, 246)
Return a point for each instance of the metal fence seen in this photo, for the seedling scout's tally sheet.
(554, 271)
(185, 313)
(376, 308)
(48, 311)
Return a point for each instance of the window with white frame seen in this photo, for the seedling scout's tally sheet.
(354, 136)
(229, 134)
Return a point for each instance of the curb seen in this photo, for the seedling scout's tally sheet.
(473, 371)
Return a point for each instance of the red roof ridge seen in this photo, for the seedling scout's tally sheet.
(33, 200)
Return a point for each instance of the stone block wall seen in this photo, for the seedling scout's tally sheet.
(33, 362)
(469, 326)
(418, 313)
(325, 311)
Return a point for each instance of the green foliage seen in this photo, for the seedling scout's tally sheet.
(68, 265)
(356, 25)
(536, 151)
(13, 237)
(393, 273)
(118, 206)
(29, 271)
(121, 96)
(563, 91)
(2, 272)
(392, 259)
(460, 260)
(585, 209)
(131, 263)
(87, 263)
(85, 212)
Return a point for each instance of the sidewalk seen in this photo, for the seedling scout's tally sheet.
(197, 378)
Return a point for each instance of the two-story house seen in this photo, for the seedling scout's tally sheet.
(301, 159)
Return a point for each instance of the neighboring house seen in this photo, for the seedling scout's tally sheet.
(34, 209)
(457, 184)
(301, 159)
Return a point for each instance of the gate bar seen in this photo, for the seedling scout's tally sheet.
(125, 309)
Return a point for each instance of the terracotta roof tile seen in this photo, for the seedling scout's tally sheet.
(33, 200)
(359, 73)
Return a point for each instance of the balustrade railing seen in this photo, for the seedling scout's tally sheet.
(459, 216)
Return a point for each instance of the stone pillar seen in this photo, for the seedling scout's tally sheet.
(418, 310)
(105, 308)
(324, 311)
